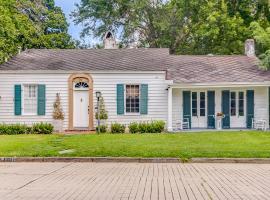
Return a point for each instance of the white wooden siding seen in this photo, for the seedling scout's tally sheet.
(260, 101)
(106, 83)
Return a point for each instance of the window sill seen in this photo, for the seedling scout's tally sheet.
(29, 115)
(132, 114)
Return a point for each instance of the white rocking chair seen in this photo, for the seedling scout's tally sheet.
(259, 124)
(183, 124)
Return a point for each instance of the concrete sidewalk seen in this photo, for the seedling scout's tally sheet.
(133, 181)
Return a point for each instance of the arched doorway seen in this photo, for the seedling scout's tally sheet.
(80, 102)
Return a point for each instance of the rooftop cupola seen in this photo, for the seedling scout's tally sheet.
(110, 41)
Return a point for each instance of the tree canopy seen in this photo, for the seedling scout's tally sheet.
(31, 24)
(186, 27)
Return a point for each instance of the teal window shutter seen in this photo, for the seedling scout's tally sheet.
(250, 107)
(144, 99)
(120, 99)
(41, 100)
(187, 107)
(225, 105)
(18, 100)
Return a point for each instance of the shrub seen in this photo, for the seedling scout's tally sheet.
(58, 113)
(153, 127)
(133, 127)
(42, 128)
(14, 129)
(143, 127)
(158, 126)
(17, 129)
(103, 114)
(118, 128)
(103, 129)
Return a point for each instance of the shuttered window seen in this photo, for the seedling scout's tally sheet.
(194, 104)
(233, 103)
(202, 103)
(132, 98)
(30, 99)
(241, 104)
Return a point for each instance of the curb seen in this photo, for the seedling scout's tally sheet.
(135, 160)
(90, 159)
(231, 160)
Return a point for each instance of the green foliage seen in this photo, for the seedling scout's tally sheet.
(145, 127)
(117, 128)
(133, 127)
(31, 24)
(186, 27)
(58, 113)
(265, 60)
(18, 129)
(103, 128)
(103, 114)
(42, 128)
(14, 129)
(262, 37)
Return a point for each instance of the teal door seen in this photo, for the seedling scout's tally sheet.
(187, 106)
(211, 109)
(250, 107)
(225, 104)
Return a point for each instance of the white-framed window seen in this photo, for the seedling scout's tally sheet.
(132, 98)
(198, 104)
(237, 103)
(30, 99)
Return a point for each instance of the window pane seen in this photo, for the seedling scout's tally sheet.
(194, 104)
(132, 98)
(233, 103)
(202, 103)
(30, 99)
(241, 104)
(202, 112)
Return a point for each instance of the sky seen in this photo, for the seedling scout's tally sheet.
(74, 30)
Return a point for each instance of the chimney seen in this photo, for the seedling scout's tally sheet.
(250, 47)
(109, 41)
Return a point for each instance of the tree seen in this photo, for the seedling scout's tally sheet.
(262, 37)
(103, 114)
(215, 32)
(57, 109)
(187, 27)
(31, 24)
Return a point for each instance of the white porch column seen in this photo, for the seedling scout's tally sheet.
(169, 122)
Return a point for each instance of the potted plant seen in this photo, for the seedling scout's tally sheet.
(220, 116)
(58, 115)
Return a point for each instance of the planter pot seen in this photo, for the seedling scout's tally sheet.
(58, 125)
(219, 122)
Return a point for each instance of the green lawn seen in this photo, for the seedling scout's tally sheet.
(183, 145)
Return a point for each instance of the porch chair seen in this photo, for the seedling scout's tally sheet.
(259, 124)
(182, 124)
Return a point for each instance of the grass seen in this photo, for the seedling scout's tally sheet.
(242, 144)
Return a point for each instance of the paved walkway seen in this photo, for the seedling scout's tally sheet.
(133, 181)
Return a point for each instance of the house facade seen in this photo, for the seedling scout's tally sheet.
(137, 85)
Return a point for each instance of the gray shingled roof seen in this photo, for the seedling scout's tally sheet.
(90, 59)
(198, 69)
(181, 69)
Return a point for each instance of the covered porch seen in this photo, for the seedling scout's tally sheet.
(221, 106)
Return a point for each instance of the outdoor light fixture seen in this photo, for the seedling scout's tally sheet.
(98, 94)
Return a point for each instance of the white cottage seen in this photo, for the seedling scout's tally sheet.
(137, 85)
